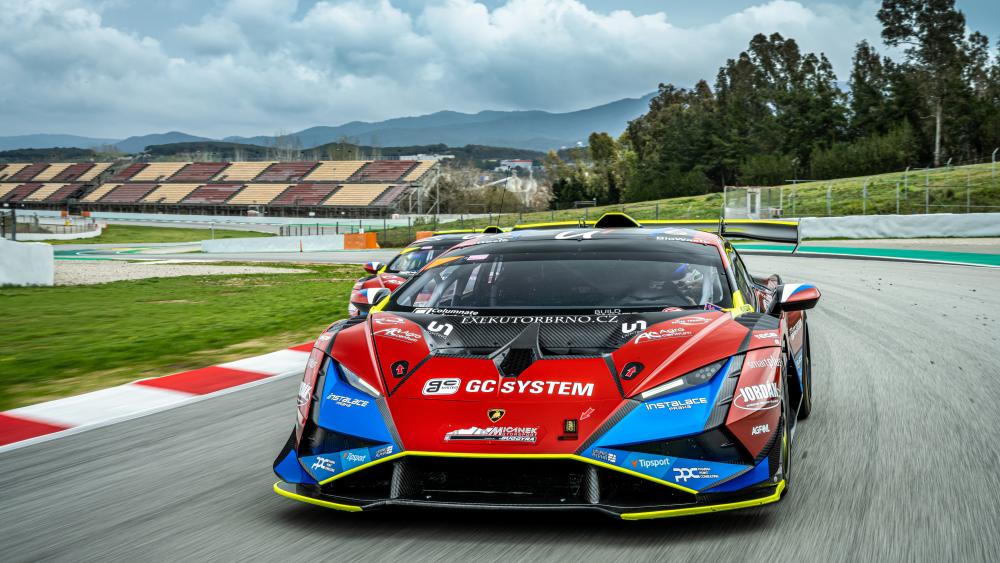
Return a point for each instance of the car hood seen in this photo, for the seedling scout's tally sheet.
(448, 378)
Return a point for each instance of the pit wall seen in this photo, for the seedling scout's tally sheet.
(26, 263)
(902, 226)
(55, 236)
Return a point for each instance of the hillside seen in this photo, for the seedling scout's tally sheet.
(953, 190)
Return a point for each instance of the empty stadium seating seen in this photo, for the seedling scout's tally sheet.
(128, 193)
(63, 193)
(383, 171)
(198, 172)
(20, 192)
(28, 172)
(212, 194)
(100, 192)
(419, 170)
(10, 169)
(50, 172)
(334, 170)
(72, 172)
(242, 171)
(6, 189)
(356, 194)
(94, 172)
(304, 195)
(128, 172)
(43, 192)
(391, 196)
(258, 194)
(169, 193)
(285, 172)
(157, 171)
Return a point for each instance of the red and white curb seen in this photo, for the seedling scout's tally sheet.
(45, 421)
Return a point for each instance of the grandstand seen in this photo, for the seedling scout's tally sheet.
(353, 188)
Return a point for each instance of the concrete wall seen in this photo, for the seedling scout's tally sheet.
(26, 263)
(274, 244)
(902, 226)
(24, 237)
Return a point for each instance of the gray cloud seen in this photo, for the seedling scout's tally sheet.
(259, 66)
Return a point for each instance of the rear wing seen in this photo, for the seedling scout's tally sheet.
(754, 229)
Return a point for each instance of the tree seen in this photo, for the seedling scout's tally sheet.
(604, 154)
(932, 32)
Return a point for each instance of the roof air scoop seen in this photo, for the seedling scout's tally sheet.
(518, 354)
(616, 221)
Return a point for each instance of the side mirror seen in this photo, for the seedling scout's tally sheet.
(377, 295)
(793, 297)
(373, 267)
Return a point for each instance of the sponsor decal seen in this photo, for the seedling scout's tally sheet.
(676, 405)
(690, 321)
(570, 426)
(766, 335)
(609, 457)
(712, 307)
(650, 463)
(758, 397)
(324, 337)
(392, 281)
(400, 368)
(544, 319)
(761, 429)
(495, 415)
(400, 334)
(538, 387)
(382, 452)
(346, 402)
(765, 363)
(442, 328)
(631, 370)
(661, 334)
(671, 309)
(607, 311)
(685, 473)
(432, 311)
(354, 458)
(442, 386)
(567, 235)
(586, 414)
(324, 464)
(633, 327)
(517, 434)
(795, 330)
(305, 393)
(474, 257)
(311, 363)
(388, 320)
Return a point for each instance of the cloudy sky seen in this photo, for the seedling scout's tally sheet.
(115, 68)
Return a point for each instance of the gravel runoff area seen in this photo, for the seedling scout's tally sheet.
(104, 271)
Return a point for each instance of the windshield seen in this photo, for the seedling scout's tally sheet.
(576, 277)
(413, 261)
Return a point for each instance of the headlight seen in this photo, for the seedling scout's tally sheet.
(690, 379)
(353, 380)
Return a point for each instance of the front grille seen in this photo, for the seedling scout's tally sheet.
(511, 482)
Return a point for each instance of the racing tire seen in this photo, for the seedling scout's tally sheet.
(805, 407)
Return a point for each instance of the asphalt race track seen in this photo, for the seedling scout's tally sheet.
(899, 461)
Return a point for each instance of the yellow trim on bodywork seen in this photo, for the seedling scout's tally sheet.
(515, 456)
(775, 497)
(551, 224)
(317, 502)
(715, 222)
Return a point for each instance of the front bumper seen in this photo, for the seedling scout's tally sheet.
(537, 482)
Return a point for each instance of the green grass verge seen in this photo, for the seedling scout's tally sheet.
(66, 340)
(954, 190)
(124, 234)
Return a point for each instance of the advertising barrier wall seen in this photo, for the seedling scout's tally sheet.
(902, 226)
(316, 243)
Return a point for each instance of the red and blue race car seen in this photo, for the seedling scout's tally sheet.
(634, 370)
(404, 265)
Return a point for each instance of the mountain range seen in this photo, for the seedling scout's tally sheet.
(536, 130)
